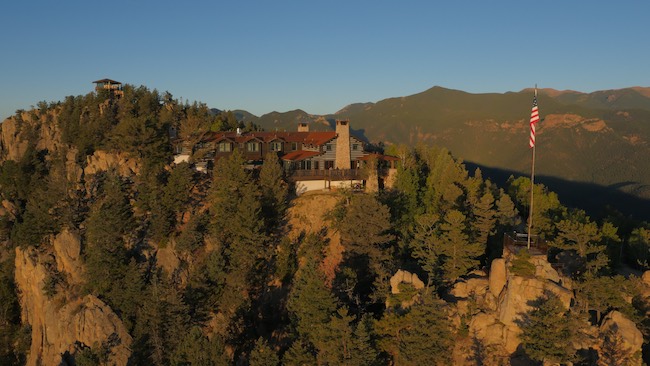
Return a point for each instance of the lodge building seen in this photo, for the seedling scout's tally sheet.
(312, 159)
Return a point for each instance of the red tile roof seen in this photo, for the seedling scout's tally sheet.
(300, 155)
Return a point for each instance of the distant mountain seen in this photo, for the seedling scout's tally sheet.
(288, 121)
(600, 138)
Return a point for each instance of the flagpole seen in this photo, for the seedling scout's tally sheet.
(532, 188)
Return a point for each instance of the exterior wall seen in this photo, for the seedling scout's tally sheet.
(328, 155)
(342, 145)
(356, 154)
(303, 186)
(347, 184)
(310, 185)
(303, 127)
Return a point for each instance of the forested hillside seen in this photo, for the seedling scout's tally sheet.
(111, 254)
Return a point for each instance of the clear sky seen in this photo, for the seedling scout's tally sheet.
(318, 56)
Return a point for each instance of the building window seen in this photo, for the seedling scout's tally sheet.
(276, 146)
(253, 146)
(329, 164)
(294, 146)
(355, 147)
(328, 147)
(224, 147)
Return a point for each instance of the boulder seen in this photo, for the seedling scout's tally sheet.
(477, 287)
(67, 250)
(519, 293)
(543, 268)
(625, 328)
(645, 277)
(402, 276)
(497, 279)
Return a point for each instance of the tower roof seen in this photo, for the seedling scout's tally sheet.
(106, 81)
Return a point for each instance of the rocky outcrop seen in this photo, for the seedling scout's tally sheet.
(407, 277)
(67, 252)
(59, 325)
(26, 128)
(122, 163)
(503, 297)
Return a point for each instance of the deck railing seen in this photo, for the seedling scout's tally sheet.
(521, 240)
(327, 174)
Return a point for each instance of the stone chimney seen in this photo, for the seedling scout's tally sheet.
(303, 127)
(343, 144)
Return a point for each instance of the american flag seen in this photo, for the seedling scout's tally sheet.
(534, 118)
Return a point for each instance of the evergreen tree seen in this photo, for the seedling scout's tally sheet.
(548, 331)
(298, 354)
(274, 191)
(112, 272)
(365, 234)
(263, 355)
(577, 233)
(310, 303)
(547, 208)
(419, 335)
(195, 349)
(483, 218)
(459, 255)
(163, 321)
(425, 246)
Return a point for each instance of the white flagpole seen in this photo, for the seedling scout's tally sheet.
(532, 188)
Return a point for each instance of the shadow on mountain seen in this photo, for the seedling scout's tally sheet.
(596, 200)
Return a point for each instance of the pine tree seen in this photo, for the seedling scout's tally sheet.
(263, 355)
(548, 331)
(459, 255)
(425, 245)
(274, 191)
(310, 303)
(581, 235)
(419, 335)
(298, 354)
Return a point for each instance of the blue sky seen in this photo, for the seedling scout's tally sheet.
(266, 56)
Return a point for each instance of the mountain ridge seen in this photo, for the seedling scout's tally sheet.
(600, 138)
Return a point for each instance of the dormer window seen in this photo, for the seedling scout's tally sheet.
(224, 146)
(276, 146)
(253, 146)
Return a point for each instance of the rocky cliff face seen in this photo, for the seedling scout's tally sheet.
(26, 128)
(61, 322)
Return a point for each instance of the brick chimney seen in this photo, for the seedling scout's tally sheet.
(343, 144)
(303, 127)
